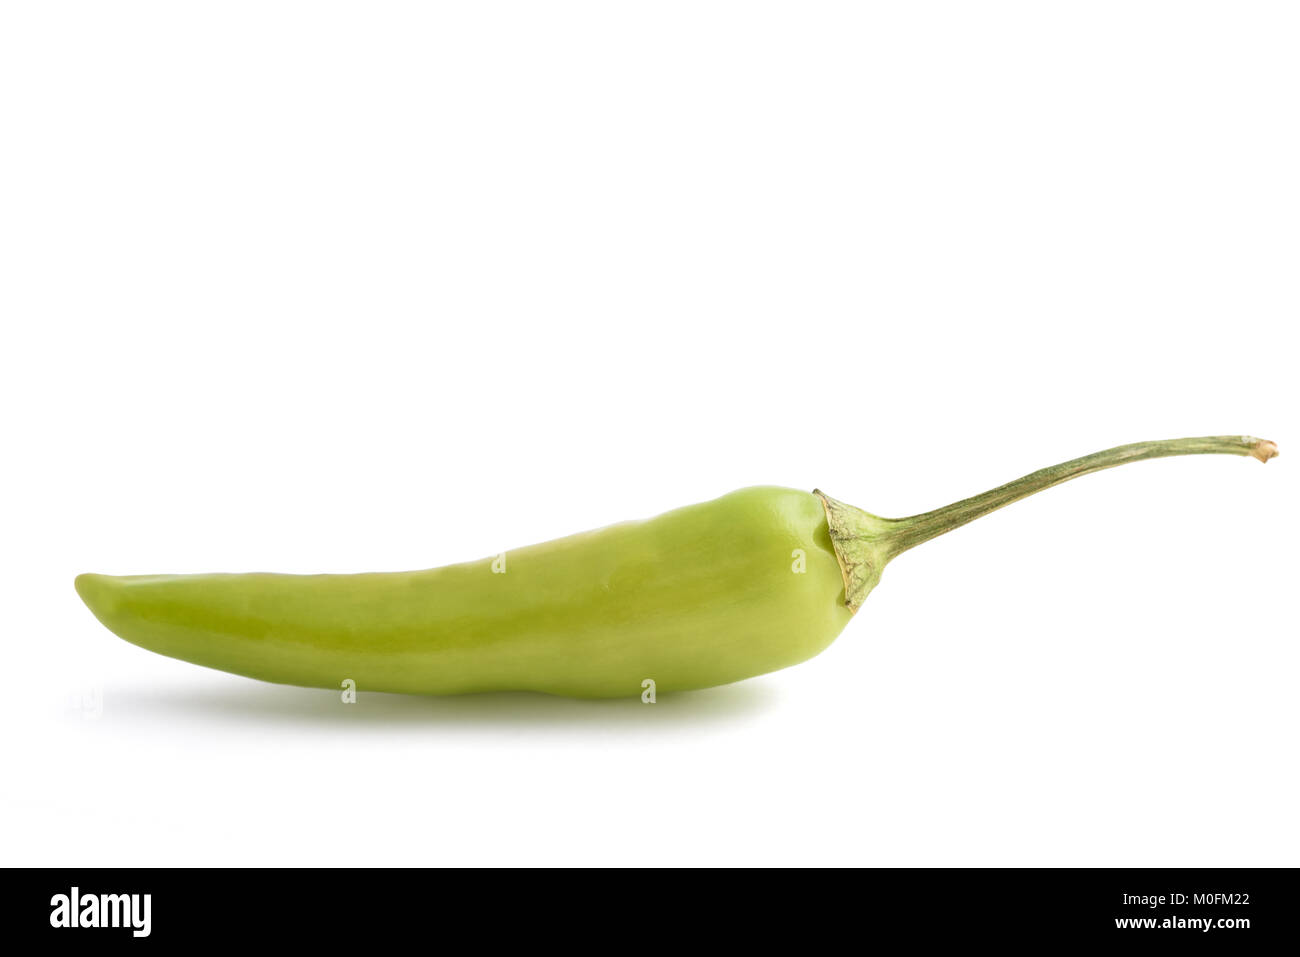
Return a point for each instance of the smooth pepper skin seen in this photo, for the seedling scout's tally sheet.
(700, 596)
(751, 582)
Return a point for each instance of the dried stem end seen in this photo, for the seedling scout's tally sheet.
(1263, 449)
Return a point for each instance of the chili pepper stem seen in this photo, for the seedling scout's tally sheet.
(864, 543)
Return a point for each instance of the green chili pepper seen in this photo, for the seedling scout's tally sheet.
(751, 582)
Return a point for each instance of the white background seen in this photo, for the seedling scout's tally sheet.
(344, 286)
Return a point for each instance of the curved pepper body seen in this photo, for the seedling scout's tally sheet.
(700, 596)
(751, 582)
